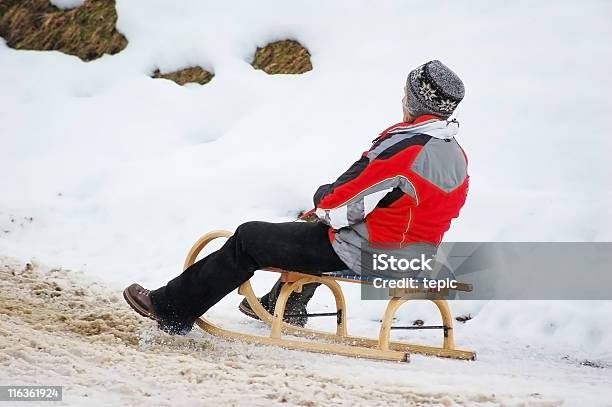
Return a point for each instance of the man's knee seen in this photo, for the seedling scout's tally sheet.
(249, 235)
(250, 229)
(249, 241)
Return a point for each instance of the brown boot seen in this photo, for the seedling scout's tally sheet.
(139, 298)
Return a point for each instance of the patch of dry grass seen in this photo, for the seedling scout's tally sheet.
(193, 74)
(87, 31)
(282, 57)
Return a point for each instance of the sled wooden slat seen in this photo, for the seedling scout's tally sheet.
(339, 342)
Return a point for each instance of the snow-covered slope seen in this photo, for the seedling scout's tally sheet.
(108, 171)
(59, 328)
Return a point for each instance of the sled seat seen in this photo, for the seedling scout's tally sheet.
(349, 275)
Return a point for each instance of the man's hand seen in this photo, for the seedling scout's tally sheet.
(308, 216)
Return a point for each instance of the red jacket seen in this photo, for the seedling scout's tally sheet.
(406, 188)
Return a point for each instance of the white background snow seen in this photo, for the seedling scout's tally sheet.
(66, 4)
(121, 173)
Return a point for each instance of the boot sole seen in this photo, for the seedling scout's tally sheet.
(136, 307)
(248, 311)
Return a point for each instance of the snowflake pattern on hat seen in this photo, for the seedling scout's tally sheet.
(417, 73)
(447, 105)
(427, 92)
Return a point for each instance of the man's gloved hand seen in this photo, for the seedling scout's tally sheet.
(308, 216)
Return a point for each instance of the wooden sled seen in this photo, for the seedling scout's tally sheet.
(340, 342)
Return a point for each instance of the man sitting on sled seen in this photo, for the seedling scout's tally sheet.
(406, 188)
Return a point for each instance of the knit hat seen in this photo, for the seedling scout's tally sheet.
(433, 88)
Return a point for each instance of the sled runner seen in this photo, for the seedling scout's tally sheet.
(340, 342)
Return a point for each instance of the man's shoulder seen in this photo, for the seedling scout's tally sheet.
(386, 145)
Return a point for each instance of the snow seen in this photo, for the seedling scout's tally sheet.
(112, 173)
(82, 337)
(67, 4)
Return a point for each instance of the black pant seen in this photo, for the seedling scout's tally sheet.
(296, 246)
